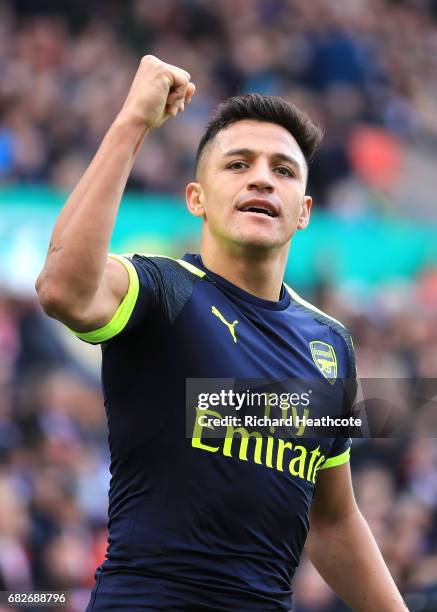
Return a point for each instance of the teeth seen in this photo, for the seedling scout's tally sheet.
(259, 210)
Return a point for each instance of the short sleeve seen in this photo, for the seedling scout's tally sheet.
(339, 454)
(341, 447)
(140, 299)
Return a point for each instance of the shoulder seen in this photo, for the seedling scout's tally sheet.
(164, 264)
(172, 279)
(336, 327)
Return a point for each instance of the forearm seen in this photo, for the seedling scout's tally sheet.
(78, 285)
(80, 240)
(347, 556)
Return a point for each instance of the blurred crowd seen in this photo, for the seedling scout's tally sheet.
(365, 70)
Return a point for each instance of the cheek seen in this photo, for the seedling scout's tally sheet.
(294, 208)
(220, 200)
(292, 215)
(215, 210)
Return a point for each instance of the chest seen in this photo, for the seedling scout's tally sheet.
(217, 336)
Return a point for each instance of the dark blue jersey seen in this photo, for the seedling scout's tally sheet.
(197, 523)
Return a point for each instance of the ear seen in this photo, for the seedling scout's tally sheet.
(194, 198)
(304, 217)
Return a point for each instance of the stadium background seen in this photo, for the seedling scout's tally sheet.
(365, 69)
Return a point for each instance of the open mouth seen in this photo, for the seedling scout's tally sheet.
(261, 211)
(259, 207)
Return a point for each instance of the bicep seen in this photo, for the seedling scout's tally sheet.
(112, 291)
(334, 496)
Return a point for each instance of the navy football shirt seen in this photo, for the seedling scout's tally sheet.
(195, 523)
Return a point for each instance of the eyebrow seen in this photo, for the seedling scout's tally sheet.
(251, 153)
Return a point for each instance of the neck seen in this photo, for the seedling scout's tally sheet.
(258, 272)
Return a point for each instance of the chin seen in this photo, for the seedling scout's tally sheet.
(259, 240)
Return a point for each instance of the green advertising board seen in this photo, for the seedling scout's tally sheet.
(362, 252)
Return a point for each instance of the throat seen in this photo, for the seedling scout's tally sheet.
(261, 277)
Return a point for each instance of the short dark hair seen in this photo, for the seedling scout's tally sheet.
(271, 109)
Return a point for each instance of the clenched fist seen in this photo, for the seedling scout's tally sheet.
(158, 91)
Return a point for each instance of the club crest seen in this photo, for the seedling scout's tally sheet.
(325, 359)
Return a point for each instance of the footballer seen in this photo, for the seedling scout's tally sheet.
(201, 524)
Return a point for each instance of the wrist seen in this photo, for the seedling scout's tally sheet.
(131, 122)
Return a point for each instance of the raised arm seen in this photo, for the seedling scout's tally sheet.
(79, 285)
(343, 549)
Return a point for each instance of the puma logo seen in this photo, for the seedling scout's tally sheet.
(230, 326)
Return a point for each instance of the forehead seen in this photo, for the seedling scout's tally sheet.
(260, 136)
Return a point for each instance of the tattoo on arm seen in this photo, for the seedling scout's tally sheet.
(53, 248)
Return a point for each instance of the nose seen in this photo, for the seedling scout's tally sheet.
(260, 179)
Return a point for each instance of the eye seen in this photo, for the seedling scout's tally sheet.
(237, 165)
(284, 171)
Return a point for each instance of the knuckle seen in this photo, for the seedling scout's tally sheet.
(183, 79)
(146, 59)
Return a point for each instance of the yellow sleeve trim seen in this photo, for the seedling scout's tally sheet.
(123, 312)
(189, 266)
(185, 264)
(338, 460)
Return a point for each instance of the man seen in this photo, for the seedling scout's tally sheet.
(197, 524)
